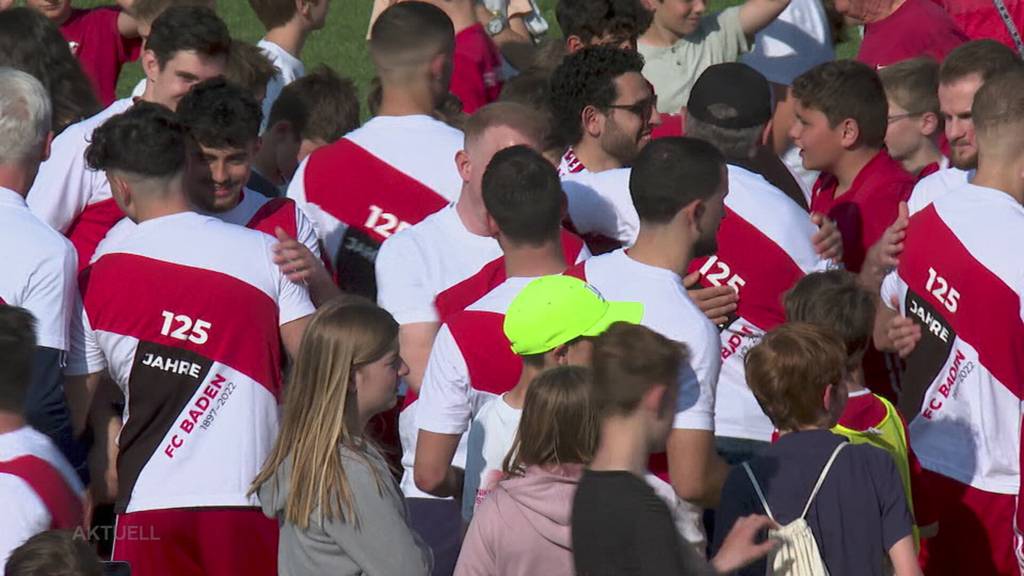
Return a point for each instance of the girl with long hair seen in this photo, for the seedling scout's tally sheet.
(522, 527)
(328, 485)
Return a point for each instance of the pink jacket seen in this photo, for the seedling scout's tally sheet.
(522, 528)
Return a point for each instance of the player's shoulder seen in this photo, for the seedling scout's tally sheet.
(425, 234)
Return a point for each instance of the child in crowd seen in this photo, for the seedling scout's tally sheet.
(310, 113)
(249, 68)
(54, 553)
(834, 301)
(339, 507)
(619, 524)
(522, 527)
(289, 23)
(915, 123)
(146, 12)
(850, 495)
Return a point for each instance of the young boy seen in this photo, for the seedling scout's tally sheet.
(915, 124)
(146, 12)
(840, 130)
(310, 113)
(288, 24)
(619, 524)
(102, 39)
(835, 301)
(249, 68)
(858, 514)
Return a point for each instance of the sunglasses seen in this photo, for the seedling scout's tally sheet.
(644, 108)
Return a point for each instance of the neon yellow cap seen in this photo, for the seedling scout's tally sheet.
(554, 310)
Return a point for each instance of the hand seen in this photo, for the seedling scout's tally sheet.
(903, 333)
(717, 302)
(295, 260)
(740, 546)
(828, 241)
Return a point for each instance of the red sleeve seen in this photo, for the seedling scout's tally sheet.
(468, 83)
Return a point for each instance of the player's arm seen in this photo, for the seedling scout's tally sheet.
(514, 39)
(883, 256)
(756, 14)
(80, 391)
(105, 423)
(433, 471)
(416, 340)
(291, 335)
(696, 470)
(300, 265)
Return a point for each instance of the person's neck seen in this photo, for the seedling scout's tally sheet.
(593, 157)
(472, 212)
(406, 101)
(461, 12)
(16, 178)
(291, 37)
(856, 382)
(659, 36)
(849, 166)
(534, 261)
(925, 155)
(516, 397)
(11, 421)
(623, 446)
(145, 212)
(663, 247)
(265, 165)
(993, 173)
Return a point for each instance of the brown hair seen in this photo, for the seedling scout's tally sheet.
(518, 117)
(559, 423)
(54, 553)
(629, 360)
(248, 67)
(407, 35)
(148, 10)
(913, 84)
(274, 13)
(846, 89)
(320, 106)
(998, 113)
(789, 370)
(986, 58)
(833, 300)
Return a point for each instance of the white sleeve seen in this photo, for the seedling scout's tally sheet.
(84, 353)
(64, 185)
(695, 405)
(601, 204)
(893, 288)
(328, 229)
(24, 515)
(51, 296)
(445, 402)
(292, 298)
(306, 231)
(402, 286)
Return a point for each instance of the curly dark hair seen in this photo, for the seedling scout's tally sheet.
(587, 78)
(147, 140)
(617, 20)
(220, 114)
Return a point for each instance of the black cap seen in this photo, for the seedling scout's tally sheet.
(731, 95)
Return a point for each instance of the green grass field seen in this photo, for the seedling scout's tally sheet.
(341, 44)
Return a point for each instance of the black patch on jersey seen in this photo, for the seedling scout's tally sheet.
(354, 263)
(930, 355)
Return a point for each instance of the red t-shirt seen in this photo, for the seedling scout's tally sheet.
(94, 39)
(864, 211)
(979, 18)
(476, 69)
(917, 28)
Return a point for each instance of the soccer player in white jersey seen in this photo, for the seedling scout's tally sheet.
(396, 169)
(962, 73)
(39, 490)
(678, 186)
(764, 243)
(187, 44)
(959, 282)
(39, 264)
(188, 314)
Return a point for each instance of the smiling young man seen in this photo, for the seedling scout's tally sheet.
(187, 44)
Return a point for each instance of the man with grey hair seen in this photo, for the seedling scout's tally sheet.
(764, 243)
(39, 263)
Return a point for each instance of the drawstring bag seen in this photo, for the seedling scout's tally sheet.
(797, 554)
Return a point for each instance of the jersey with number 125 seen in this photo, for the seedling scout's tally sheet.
(184, 312)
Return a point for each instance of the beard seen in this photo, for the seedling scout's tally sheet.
(619, 145)
(962, 160)
(706, 245)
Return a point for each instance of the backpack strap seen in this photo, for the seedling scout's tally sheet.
(821, 478)
(757, 488)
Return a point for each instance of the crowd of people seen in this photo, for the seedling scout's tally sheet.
(677, 292)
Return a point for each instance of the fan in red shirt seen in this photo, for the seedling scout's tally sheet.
(914, 135)
(896, 30)
(102, 39)
(980, 19)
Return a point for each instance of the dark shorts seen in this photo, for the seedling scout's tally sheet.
(439, 524)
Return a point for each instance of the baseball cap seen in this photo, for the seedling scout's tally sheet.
(731, 95)
(553, 310)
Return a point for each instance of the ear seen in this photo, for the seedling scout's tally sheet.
(849, 132)
(593, 121)
(573, 44)
(929, 124)
(47, 143)
(561, 355)
(121, 191)
(438, 64)
(150, 65)
(766, 134)
(653, 399)
(464, 165)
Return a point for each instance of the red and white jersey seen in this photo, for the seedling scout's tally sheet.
(764, 248)
(936, 185)
(73, 199)
(601, 209)
(184, 312)
(960, 278)
(570, 164)
(668, 311)
(39, 489)
(379, 179)
(39, 270)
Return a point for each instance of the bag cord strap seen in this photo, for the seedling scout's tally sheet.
(821, 478)
(757, 488)
(1010, 26)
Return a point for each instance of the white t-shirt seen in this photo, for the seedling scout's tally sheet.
(936, 185)
(600, 204)
(289, 69)
(420, 262)
(32, 473)
(798, 40)
(39, 270)
(490, 438)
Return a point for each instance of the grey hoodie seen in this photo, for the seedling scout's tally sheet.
(381, 545)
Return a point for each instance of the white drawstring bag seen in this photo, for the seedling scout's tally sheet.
(797, 554)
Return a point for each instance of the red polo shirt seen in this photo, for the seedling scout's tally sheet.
(95, 41)
(917, 28)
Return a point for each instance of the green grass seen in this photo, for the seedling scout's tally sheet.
(341, 44)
